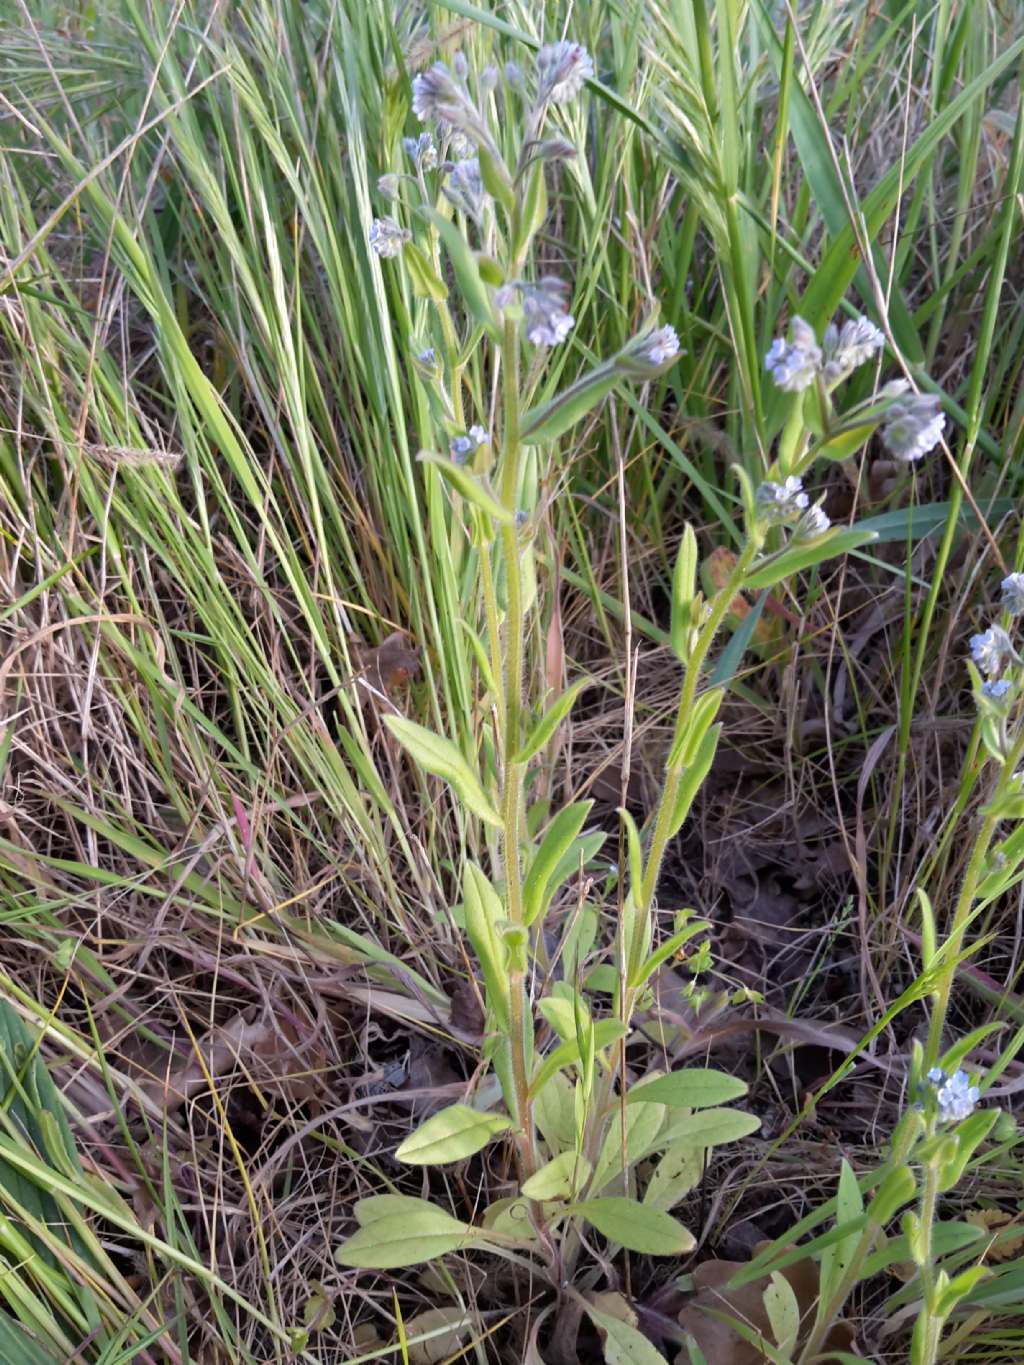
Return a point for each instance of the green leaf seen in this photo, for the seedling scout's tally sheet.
(693, 776)
(467, 269)
(915, 523)
(377, 1206)
(847, 443)
(684, 586)
(483, 909)
(439, 756)
(623, 1344)
(959, 1287)
(496, 179)
(469, 485)
(550, 721)
(711, 1128)
(795, 558)
(563, 411)
(426, 284)
(666, 950)
(636, 1227)
(837, 1258)
(780, 1303)
(560, 1178)
(686, 748)
(728, 662)
(540, 882)
(454, 1133)
(606, 1032)
(401, 1239)
(695, 1088)
(643, 1123)
(675, 1175)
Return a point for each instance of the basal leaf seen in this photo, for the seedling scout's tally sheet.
(694, 1088)
(637, 1227)
(454, 1133)
(401, 1239)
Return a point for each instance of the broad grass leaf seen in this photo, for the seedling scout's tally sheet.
(560, 1178)
(695, 1088)
(623, 1344)
(711, 1127)
(636, 1227)
(406, 1238)
(451, 1135)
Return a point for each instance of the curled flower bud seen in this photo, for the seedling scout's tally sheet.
(1013, 593)
(991, 649)
(794, 364)
(913, 426)
(387, 185)
(465, 189)
(562, 70)
(437, 96)
(514, 76)
(489, 77)
(463, 447)
(812, 524)
(781, 504)
(547, 322)
(956, 1097)
(421, 151)
(386, 237)
(425, 364)
(847, 348)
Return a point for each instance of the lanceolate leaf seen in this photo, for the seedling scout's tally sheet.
(623, 1344)
(563, 411)
(797, 557)
(471, 486)
(454, 1133)
(550, 721)
(440, 757)
(539, 885)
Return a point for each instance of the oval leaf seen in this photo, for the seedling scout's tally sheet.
(454, 1133)
(402, 1239)
(559, 1179)
(711, 1128)
(623, 1344)
(695, 1088)
(635, 1227)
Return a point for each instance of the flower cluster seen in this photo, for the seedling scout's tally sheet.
(547, 319)
(562, 70)
(956, 1096)
(992, 649)
(912, 424)
(386, 237)
(463, 448)
(781, 504)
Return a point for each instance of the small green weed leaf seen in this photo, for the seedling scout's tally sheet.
(780, 1303)
(539, 884)
(623, 1344)
(555, 417)
(467, 269)
(554, 1110)
(836, 1258)
(510, 1217)
(606, 1032)
(426, 283)
(686, 748)
(796, 558)
(684, 586)
(550, 721)
(668, 949)
(637, 1227)
(439, 756)
(469, 485)
(694, 1088)
(483, 910)
(847, 443)
(711, 1128)
(401, 1239)
(560, 1178)
(692, 778)
(959, 1287)
(454, 1133)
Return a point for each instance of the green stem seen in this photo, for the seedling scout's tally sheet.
(512, 772)
(719, 607)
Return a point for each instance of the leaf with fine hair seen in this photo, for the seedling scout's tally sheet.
(451, 1135)
(439, 756)
(635, 1226)
(406, 1238)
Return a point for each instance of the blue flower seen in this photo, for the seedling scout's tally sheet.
(995, 690)
(547, 322)
(847, 348)
(913, 426)
(463, 447)
(990, 649)
(1013, 593)
(780, 504)
(794, 364)
(957, 1097)
(386, 237)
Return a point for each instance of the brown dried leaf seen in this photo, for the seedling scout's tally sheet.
(998, 1220)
